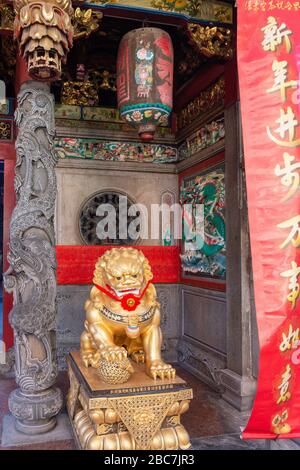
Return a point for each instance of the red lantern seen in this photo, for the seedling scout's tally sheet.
(145, 79)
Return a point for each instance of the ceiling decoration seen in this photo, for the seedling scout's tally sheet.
(210, 98)
(211, 41)
(7, 17)
(8, 55)
(85, 22)
(98, 54)
(213, 10)
(97, 39)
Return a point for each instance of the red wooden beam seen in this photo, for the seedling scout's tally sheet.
(209, 162)
(21, 73)
(76, 263)
(7, 151)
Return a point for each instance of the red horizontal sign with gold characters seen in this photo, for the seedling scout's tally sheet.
(268, 61)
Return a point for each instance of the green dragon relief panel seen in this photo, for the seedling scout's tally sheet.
(204, 244)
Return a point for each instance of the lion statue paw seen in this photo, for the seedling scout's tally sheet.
(159, 369)
(113, 353)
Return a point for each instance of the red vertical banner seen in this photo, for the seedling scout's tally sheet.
(268, 38)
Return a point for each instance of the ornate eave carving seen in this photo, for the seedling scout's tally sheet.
(7, 17)
(217, 11)
(211, 42)
(209, 98)
(86, 22)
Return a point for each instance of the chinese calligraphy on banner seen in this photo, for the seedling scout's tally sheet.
(268, 61)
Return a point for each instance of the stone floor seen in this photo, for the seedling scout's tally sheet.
(212, 424)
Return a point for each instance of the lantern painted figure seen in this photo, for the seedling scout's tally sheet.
(145, 79)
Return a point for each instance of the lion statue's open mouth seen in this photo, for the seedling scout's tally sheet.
(122, 292)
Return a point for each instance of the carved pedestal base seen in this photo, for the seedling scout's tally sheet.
(140, 414)
(35, 413)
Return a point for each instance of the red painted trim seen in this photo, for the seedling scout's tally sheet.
(8, 335)
(8, 206)
(8, 154)
(7, 151)
(209, 163)
(76, 263)
(21, 73)
(199, 82)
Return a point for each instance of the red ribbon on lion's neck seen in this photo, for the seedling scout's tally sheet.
(128, 302)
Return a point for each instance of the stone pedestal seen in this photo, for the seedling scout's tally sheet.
(140, 414)
(34, 412)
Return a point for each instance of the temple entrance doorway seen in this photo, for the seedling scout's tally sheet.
(195, 157)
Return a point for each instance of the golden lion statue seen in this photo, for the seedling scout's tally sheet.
(123, 315)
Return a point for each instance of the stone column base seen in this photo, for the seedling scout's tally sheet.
(239, 390)
(35, 413)
(13, 438)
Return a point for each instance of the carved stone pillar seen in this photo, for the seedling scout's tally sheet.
(31, 275)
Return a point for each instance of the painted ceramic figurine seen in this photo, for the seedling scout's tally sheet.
(123, 317)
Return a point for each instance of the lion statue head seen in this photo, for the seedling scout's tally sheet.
(124, 270)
